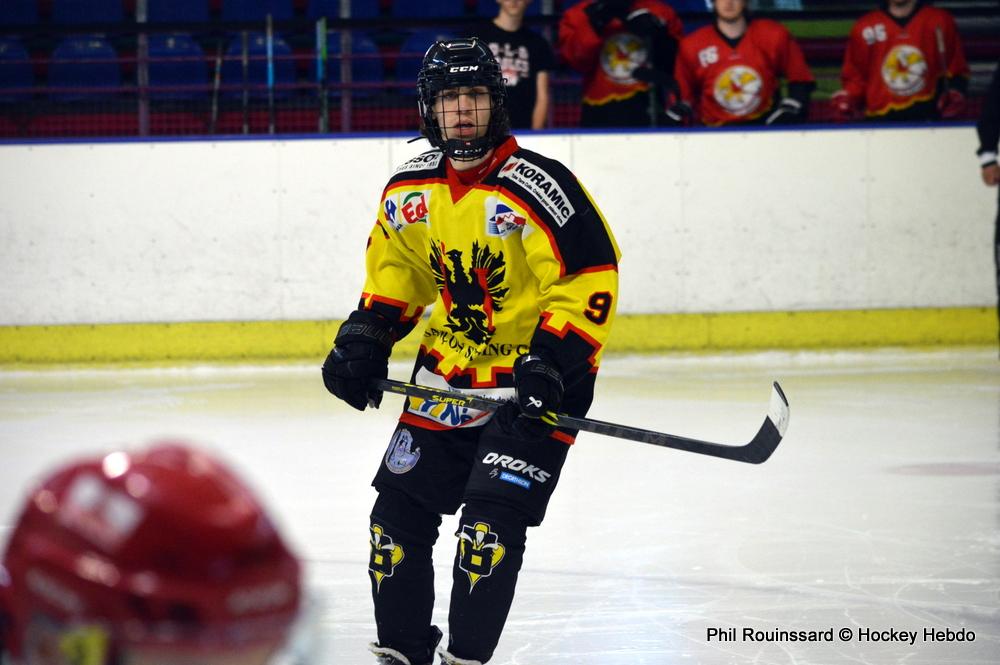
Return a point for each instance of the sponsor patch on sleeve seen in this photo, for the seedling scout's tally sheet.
(541, 185)
(425, 162)
(407, 207)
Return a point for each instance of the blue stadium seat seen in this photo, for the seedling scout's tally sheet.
(331, 9)
(85, 61)
(491, 8)
(690, 5)
(176, 60)
(15, 70)
(72, 12)
(428, 8)
(256, 10)
(177, 11)
(411, 53)
(232, 67)
(18, 12)
(366, 64)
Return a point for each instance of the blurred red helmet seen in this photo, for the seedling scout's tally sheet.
(160, 551)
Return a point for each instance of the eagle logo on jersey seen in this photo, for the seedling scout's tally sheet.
(904, 70)
(737, 89)
(385, 555)
(620, 56)
(479, 551)
(471, 295)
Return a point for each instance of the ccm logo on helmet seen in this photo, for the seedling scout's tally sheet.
(463, 68)
(508, 462)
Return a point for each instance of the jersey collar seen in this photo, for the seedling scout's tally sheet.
(460, 182)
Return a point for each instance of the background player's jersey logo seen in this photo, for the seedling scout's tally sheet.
(904, 70)
(399, 458)
(620, 56)
(501, 220)
(479, 551)
(471, 294)
(385, 555)
(738, 88)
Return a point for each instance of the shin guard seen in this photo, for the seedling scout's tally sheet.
(402, 536)
(490, 550)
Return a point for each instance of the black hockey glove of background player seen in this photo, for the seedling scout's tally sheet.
(360, 355)
(792, 109)
(539, 388)
(602, 12)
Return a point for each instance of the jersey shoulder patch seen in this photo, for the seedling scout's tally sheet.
(428, 161)
(549, 183)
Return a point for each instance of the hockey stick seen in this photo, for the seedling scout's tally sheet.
(323, 125)
(269, 40)
(939, 38)
(755, 452)
(216, 82)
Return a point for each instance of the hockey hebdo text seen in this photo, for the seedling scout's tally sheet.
(856, 634)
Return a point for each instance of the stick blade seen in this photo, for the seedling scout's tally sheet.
(772, 431)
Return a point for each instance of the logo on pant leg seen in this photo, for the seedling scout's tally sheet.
(399, 458)
(479, 551)
(385, 555)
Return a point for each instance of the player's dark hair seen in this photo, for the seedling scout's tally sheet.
(462, 63)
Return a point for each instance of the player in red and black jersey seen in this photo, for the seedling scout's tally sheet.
(625, 50)
(730, 72)
(904, 61)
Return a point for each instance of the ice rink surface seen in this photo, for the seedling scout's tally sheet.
(880, 510)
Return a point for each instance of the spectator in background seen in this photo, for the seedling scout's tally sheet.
(625, 50)
(729, 73)
(525, 59)
(904, 61)
(988, 128)
(156, 557)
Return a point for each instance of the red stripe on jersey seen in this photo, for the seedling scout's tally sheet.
(541, 225)
(392, 302)
(493, 382)
(563, 437)
(606, 267)
(569, 327)
(400, 184)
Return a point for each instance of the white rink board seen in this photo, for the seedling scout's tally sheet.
(707, 222)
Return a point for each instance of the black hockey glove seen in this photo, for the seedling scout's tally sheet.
(789, 112)
(360, 355)
(644, 24)
(679, 114)
(539, 388)
(602, 12)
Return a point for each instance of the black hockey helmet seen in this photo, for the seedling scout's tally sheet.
(462, 63)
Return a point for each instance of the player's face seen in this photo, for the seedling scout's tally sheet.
(513, 8)
(729, 10)
(464, 112)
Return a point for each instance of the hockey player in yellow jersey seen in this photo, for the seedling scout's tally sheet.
(522, 271)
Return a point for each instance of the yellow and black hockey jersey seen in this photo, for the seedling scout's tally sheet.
(520, 260)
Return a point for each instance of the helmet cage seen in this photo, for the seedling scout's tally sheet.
(456, 64)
